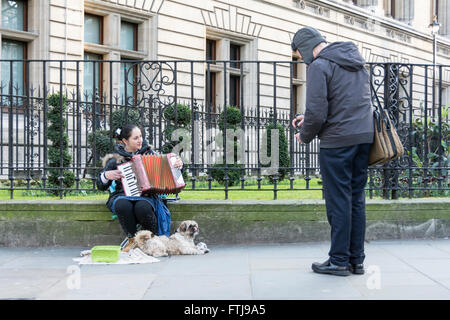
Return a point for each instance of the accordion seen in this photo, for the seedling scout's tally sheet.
(151, 174)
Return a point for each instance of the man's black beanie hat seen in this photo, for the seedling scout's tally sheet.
(305, 40)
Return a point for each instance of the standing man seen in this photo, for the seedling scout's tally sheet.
(338, 110)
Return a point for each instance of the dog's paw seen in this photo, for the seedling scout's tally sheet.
(202, 247)
(161, 254)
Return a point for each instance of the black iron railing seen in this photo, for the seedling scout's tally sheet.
(229, 121)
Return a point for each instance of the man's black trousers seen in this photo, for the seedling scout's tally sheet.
(344, 177)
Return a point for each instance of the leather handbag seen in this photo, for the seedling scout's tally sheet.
(386, 144)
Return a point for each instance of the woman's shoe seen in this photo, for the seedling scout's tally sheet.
(130, 245)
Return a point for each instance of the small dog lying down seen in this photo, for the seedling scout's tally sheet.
(181, 242)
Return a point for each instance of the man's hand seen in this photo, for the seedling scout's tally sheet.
(298, 121)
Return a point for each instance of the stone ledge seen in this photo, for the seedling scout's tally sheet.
(89, 223)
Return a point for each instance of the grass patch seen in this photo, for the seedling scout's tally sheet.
(250, 192)
(202, 191)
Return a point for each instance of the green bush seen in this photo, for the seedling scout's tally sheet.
(168, 134)
(217, 172)
(119, 120)
(177, 116)
(58, 140)
(233, 118)
(102, 147)
(284, 159)
(181, 120)
(438, 154)
(103, 137)
(182, 116)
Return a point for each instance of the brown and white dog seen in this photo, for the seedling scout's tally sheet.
(181, 242)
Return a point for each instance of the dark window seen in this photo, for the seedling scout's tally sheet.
(210, 49)
(14, 50)
(294, 87)
(92, 82)
(128, 36)
(130, 85)
(14, 14)
(93, 28)
(235, 89)
(295, 67)
(294, 99)
(235, 54)
(211, 76)
(211, 91)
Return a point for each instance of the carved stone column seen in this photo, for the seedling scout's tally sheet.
(367, 3)
(443, 17)
(403, 10)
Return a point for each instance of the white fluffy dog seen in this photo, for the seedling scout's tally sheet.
(181, 242)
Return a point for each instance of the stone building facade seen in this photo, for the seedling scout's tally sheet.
(87, 46)
(251, 30)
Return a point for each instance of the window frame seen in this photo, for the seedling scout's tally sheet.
(135, 35)
(25, 17)
(135, 76)
(235, 54)
(24, 77)
(100, 76)
(247, 72)
(213, 49)
(298, 84)
(237, 90)
(211, 82)
(101, 28)
(392, 9)
(235, 48)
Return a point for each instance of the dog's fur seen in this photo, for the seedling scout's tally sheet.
(181, 242)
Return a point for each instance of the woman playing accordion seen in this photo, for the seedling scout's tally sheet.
(149, 211)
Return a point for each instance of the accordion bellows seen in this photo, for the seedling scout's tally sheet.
(147, 174)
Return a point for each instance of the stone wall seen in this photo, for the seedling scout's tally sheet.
(88, 223)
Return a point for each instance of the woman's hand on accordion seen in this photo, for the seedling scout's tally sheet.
(178, 163)
(113, 174)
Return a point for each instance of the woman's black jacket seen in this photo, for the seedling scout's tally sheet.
(110, 162)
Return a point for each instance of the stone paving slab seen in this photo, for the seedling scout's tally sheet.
(407, 269)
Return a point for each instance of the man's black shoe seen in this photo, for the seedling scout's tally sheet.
(328, 268)
(356, 268)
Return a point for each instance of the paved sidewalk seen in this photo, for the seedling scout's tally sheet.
(412, 269)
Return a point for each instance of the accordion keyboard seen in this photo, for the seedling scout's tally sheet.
(178, 174)
(129, 181)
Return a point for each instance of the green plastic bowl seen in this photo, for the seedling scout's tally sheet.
(105, 253)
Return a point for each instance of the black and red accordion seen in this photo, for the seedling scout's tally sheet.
(151, 174)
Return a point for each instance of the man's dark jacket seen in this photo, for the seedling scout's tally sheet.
(338, 102)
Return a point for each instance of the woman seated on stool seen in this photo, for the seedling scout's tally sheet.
(149, 211)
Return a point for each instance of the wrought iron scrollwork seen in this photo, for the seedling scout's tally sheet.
(389, 86)
(150, 80)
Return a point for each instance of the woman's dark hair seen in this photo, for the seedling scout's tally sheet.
(125, 132)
